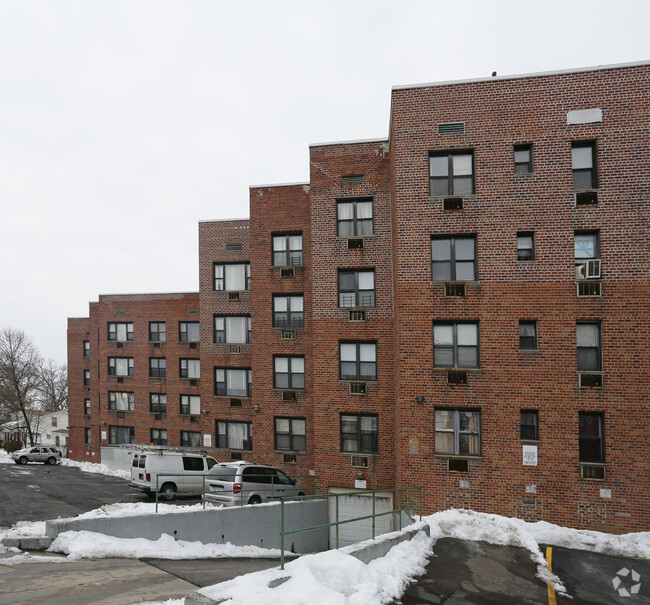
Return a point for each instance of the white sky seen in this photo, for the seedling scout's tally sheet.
(125, 122)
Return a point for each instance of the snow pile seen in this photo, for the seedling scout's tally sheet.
(24, 529)
(331, 578)
(93, 467)
(5, 458)
(91, 545)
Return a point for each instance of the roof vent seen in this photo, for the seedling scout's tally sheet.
(452, 128)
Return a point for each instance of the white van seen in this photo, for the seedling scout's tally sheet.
(175, 472)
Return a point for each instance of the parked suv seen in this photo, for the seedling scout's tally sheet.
(238, 483)
(41, 453)
(170, 472)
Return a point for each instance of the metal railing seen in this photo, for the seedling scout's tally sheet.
(409, 499)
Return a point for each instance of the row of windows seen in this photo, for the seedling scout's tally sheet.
(452, 172)
(455, 345)
(122, 331)
(457, 432)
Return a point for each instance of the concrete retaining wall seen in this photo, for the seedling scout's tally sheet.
(243, 526)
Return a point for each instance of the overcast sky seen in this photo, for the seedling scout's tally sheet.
(125, 122)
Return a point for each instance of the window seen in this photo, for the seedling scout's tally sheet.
(288, 311)
(525, 245)
(190, 439)
(359, 433)
(120, 331)
(86, 378)
(232, 276)
(529, 425)
(191, 404)
(158, 437)
(157, 331)
(120, 366)
(54, 421)
(233, 382)
(586, 245)
(157, 367)
(357, 289)
(158, 403)
(232, 329)
(189, 331)
(290, 434)
(358, 361)
(523, 158)
(118, 435)
(121, 402)
(235, 435)
(527, 335)
(354, 217)
(86, 348)
(190, 368)
(583, 164)
(87, 407)
(591, 440)
(451, 173)
(289, 372)
(287, 250)
(453, 258)
(589, 353)
(458, 432)
(455, 345)
(87, 436)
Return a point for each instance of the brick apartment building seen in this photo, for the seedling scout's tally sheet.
(463, 306)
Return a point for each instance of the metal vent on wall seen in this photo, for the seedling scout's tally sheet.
(452, 203)
(235, 349)
(593, 472)
(235, 403)
(194, 382)
(591, 380)
(587, 289)
(194, 418)
(288, 396)
(288, 334)
(352, 179)
(233, 247)
(360, 461)
(451, 128)
(194, 345)
(286, 272)
(454, 377)
(290, 459)
(355, 243)
(357, 316)
(157, 416)
(458, 465)
(358, 388)
(586, 198)
(454, 290)
(235, 456)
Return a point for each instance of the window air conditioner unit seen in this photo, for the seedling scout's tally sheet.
(286, 272)
(156, 345)
(288, 396)
(589, 269)
(585, 198)
(235, 349)
(288, 334)
(452, 203)
(157, 416)
(357, 316)
(194, 345)
(358, 388)
(194, 418)
(355, 243)
(290, 459)
(194, 382)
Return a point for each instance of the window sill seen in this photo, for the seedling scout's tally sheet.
(373, 455)
(441, 369)
(347, 237)
(529, 351)
(530, 441)
(465, 196)
(242, 397)
(300, 452)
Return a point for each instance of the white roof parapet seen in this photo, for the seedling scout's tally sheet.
(353, 142)
(522, 76)
(279, 185)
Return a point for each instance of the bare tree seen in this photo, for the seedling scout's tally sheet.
(20, 377)
(54, 386)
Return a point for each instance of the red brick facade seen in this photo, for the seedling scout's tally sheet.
(446, 415)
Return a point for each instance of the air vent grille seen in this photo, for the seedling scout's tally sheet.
(352, 179)
(452, 128)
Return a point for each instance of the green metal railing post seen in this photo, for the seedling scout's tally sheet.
(373, 514)
(282, 534)
(337, 520)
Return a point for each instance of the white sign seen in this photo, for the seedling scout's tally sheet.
(530, 455)
(605, 493)
(531, 489)
(360, 483)
(207, 440)
(104, 435)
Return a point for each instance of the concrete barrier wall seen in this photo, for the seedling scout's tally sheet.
(242, 525)
(118, 458)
